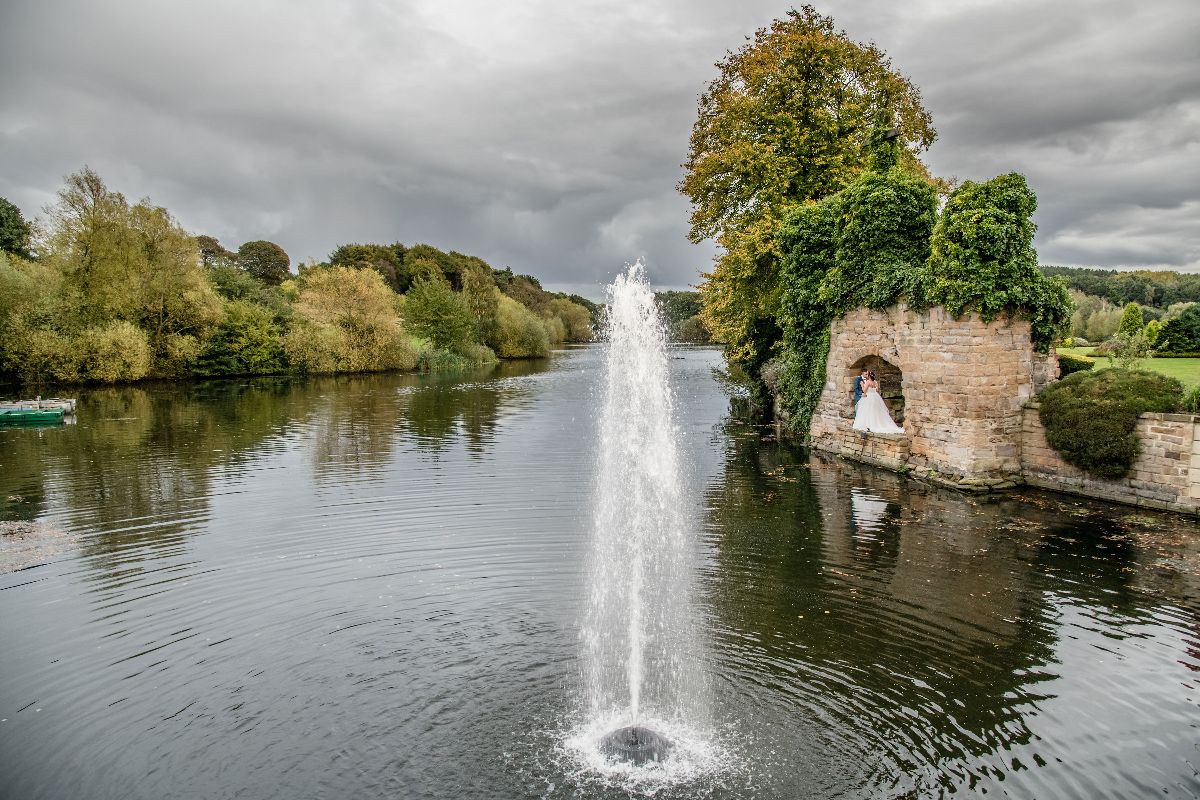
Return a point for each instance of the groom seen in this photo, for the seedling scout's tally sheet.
(858, 385)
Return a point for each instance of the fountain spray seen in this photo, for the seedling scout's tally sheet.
(638, 633)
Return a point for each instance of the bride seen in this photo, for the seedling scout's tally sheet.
(871, 414)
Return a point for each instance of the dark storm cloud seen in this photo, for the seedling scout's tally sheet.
(548, 136)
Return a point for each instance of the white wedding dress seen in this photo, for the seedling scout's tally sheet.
(871, 415)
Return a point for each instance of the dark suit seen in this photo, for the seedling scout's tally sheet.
(858, 389)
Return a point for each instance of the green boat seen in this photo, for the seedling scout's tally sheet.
(26, 416)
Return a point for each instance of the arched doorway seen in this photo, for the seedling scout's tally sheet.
(890, 382)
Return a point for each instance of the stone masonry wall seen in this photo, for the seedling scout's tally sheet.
(1166, 474)
(964, 384)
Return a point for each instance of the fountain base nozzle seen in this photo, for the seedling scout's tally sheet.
(635, 745)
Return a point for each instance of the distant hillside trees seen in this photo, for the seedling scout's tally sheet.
(123, 292)
(1149, 289)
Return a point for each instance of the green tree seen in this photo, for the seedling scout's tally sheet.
(14, 230)
(1181, 334)
(436, 312)
(265, 260)
(1131, 321)
(788, 119)
(387, 260)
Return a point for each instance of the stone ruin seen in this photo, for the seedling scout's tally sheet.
(957, 386)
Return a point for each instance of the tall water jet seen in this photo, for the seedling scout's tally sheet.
(639, 638)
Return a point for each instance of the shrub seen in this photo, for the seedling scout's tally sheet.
(1068, 342)
(1152, 329)
(115, 352)
(576, 319)
(1181, 334)
(1068, 364)
(347, 322)
(1091, 417)
(519, 332)
(556, 332)
(247, 342)
(1131, 348)
(43, 356)
(434, 311)
(1191, 400)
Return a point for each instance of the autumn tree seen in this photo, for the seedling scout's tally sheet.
(789, 119)
(264, 260)
(213, 254)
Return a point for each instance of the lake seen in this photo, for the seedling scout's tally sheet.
(372, 586)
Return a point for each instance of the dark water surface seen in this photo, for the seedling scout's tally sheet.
(370, 587)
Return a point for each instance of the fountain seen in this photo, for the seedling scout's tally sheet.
(640, 662)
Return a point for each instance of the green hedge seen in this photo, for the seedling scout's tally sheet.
(1069, 364)
(1091, 417)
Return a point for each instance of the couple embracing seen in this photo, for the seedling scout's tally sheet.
(871, 414)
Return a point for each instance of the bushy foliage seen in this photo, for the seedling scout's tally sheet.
(1181, 334)
(1153, 329)
(347, 322)
(1068, 364)
(576, 319)
(693, 331)
(15, 232)
(115, 352)
(519, 332)
(1091, 417)
(1130, 349)
(436, 312)
(248, 341)
(982, 258)
(39, 355)
(1191, 400)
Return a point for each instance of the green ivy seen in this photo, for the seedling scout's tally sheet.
(864, 246)
(983, 259)
(880, 240)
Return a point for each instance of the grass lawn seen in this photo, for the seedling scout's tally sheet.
(1187, 370)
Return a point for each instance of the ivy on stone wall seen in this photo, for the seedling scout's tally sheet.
(864, 246)
(881, 240)
(983, 259)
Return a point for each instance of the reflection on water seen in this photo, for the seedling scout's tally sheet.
(371, 586)
(957, 642)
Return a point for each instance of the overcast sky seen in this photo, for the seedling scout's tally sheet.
(547, 135)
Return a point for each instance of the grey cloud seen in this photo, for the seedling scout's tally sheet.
(548, 136)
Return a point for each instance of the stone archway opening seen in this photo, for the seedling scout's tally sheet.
(891, 380)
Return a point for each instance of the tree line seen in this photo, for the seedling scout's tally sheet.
(103, 290)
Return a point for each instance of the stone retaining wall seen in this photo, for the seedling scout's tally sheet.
(1166, 474)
